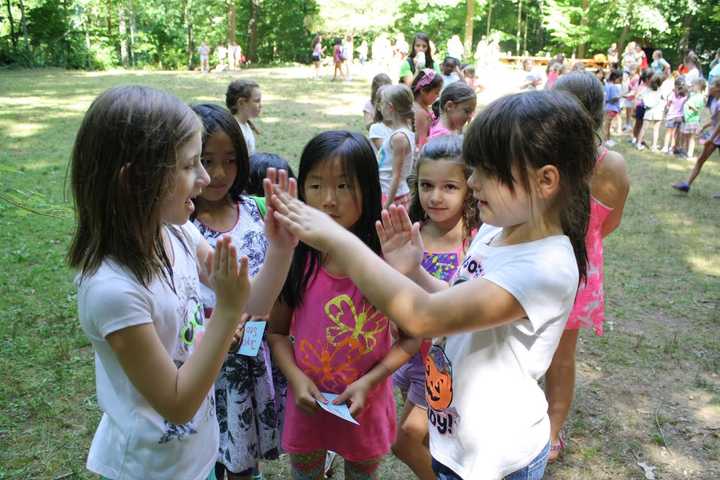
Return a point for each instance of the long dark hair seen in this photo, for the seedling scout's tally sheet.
(122, 165)
(429, 62)
(447, 147)
(216, 119)
(587, 88)
(259, 163)
(360, 165)
(530, 130)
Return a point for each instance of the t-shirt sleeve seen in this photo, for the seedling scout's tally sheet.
(114, 303)
(193, 235)
(375, 131)
(405, 69)
(543, 282)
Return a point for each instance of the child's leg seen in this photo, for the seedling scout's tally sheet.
(690, 138)
(669, 133)
(308, 466)
(560, 386)
(656, 133)
(707, 151)
(411, 443)
(641, 134)
(606, 126)
(367, 470)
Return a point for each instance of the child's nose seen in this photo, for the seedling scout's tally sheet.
(204, 178)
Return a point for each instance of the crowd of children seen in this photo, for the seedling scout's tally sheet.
(454, 256)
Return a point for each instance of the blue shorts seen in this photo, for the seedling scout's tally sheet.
(533, 471)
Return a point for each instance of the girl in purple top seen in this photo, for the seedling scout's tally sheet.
(443, 203)
(674, 115)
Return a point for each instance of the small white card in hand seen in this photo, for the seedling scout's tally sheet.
(252, 338)
(341, 411)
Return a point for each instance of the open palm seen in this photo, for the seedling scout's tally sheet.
(401, 243)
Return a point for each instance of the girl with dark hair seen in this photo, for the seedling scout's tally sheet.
(248, 396)
(498, 326)
(316, 55)
(338, 59)
(609, 188)
(325, 336)
(426, 89)
(134, 171)
(448, 216)
(457, 106)
(244, 100)
(259, 164)
(420, 58)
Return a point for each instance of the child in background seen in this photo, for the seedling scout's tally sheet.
(137, 155)
(338, 60)
(533, 78)
(713, 141)
(457, 106)
(395, 157)
(645, 78)
(426, 89)
(244, 100)
(631, 79)
(259, 164)
(370, 110)
(553, 74)
(450, 71)
(420, 58)
(248, 397)
(317, 51)
(654, 111)
(612, 103)
(674, 115)
(609, 187)
(692, 111)
(498, 326)
(382, 129)
(469, 77)
(325, 336)
(443, 204)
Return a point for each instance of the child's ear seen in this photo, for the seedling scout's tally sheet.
(547, 181)
(450, 105)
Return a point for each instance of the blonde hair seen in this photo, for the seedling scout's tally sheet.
(401, 98)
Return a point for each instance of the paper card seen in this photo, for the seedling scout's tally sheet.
(341, 411)
(252, 338)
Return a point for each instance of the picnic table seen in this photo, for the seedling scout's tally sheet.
(591, 63)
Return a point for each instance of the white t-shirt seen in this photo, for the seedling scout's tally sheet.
(379, 130)
(488, 415)
(133, 441)
(249, 136)
(385, 163)
(654, 104)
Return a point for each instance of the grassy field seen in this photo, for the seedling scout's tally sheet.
(648, 391)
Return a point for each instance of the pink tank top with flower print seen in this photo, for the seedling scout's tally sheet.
(589, 308)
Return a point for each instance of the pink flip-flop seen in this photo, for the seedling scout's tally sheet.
(556, 450)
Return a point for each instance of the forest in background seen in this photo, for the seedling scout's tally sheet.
(165, 34)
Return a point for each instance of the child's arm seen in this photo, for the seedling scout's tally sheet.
(305, 391)
(611, 185)
(356, 393)
(422, 126)
(401, 150)
(475, 305)
(174, 393)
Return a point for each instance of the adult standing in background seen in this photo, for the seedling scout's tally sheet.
(231, 56)
(204, 52)
(659, 64)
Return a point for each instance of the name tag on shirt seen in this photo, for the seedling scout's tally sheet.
(252, 338)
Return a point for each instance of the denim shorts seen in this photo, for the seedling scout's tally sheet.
(533, 471)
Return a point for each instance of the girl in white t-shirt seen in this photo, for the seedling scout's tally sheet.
(497, 328)
(134, 171)
(244, 100)
(395, 157)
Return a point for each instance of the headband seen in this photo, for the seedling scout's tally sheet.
(426, 80)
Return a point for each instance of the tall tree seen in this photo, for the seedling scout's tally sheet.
(469, 17)
(13, 37)
(253, 30)
(232, 22)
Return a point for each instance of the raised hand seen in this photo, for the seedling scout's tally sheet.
(310, 225)
(275, 232)
(229, 278)
(401, 243)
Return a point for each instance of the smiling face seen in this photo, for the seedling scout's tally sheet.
(442, 190)
(328, 188)
(220, 163)
(458, 114)
(497, 204)
(187, 182)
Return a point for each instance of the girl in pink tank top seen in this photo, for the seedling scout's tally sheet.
(609, 187)
(325, 336)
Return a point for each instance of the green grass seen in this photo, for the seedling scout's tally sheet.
(658, 362)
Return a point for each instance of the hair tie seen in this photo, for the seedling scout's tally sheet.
(426, 80)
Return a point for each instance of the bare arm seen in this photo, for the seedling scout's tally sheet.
(401, 149)
(422, 126)
(174, 393)
(611, 186)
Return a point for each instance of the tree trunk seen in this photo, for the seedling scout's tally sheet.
(23, 24)
(469, 14)
(122, 28)
(232, 23)
(519, 28)
(108, 25)
(131, 40)
(13, 37)
(252, 30)
(525, 29)
(189, 29)
(623, 36)
(584, 22)
(489, 17)
(685, 39)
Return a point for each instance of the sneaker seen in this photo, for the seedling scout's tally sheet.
(682, 186)
(610, 143)
(641, 147)
(632, 141)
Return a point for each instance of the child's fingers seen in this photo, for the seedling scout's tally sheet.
(283, 180)
(415, 236)
(210, 262)
(342, 398)
(224, 256)
(219, 248)
(317, 395)
(380, 231)
(232, 260)
(271, 174)
(267, 187)
(292, 188)
(404, 218)
(243, 267)
(279, 203)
